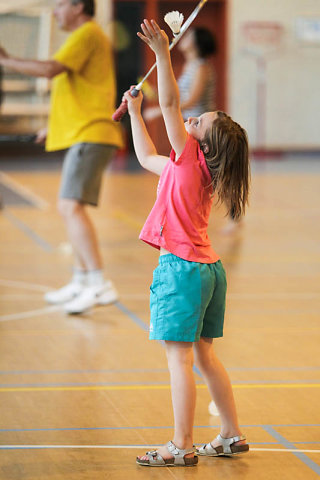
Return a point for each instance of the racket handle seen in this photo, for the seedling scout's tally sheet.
(122, 109)
(120, 112)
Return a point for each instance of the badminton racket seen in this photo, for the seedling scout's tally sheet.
(121, 110)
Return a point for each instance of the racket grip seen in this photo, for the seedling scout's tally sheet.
(120, 112)
(123, 107)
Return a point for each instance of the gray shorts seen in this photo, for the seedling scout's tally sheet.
(82, 171)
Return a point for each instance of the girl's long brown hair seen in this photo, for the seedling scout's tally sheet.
(228, 162)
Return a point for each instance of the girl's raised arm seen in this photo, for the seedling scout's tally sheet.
(144, 147)
(169, 99)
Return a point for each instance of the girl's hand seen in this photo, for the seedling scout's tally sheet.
(134, 103)
(154, 37)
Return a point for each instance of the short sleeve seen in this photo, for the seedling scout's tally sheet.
(189, 154)
(77, 49)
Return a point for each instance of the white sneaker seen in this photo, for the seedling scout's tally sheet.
(92, 296)
(64, 294)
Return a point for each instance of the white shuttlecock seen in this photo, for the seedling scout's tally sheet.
(174, 20)
(213, 409)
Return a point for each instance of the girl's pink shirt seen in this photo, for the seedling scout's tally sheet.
(179, 219)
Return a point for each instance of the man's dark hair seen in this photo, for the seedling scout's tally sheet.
(88, 6)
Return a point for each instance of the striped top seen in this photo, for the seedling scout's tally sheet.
(207, 101)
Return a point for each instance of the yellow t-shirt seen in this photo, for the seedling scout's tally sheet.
(83, 98)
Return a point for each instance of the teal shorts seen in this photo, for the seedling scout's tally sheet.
(187, 300)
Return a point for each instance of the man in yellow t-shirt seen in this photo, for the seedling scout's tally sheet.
(82, 102)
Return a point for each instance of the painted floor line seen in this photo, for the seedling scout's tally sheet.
(152, 384)
(157, 427)
(30, 313)
(24, 285)
(75, 388)
(142, 370)
(24, 191)
(301, 455)
(245, 296)
(128, 220)
(75, 371)
(13, 447)
(24, 228)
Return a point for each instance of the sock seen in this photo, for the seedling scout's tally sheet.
(95, 277)
(79, 276)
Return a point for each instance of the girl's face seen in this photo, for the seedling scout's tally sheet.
(197, 127)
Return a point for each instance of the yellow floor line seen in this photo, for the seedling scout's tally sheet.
(128, 220)
(147, 387)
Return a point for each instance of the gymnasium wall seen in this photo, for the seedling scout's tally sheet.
(292, 97)
(289, 119)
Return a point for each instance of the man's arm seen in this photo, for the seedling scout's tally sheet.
(34, 68)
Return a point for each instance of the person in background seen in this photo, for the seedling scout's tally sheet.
(197, 82)
(82, 102)
(1, 98)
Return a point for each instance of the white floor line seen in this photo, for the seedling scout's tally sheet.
(289, 450)
(31, 313)
(19, 296)
(25, 285)
(142, 296)
(275, 296)
(24, 191)
(8, 447)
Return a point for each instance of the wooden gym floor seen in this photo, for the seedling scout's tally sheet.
(81, 396)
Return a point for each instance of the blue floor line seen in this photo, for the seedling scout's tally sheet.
(105, 384)
(62, 372)
(301, 456)
(82, 384)
(129, 370)
(28, 231)
(133, 316)
(144, 326)
(142, 428)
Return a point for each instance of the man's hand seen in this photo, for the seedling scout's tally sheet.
(3, 53)
(41, 136)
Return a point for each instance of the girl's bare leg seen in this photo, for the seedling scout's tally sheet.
(219, 386)
(183, 394)
(183, 391)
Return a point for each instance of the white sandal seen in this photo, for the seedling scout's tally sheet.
(227, 447)
(178, 459)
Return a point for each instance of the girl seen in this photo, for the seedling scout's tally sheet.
(209, 155)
